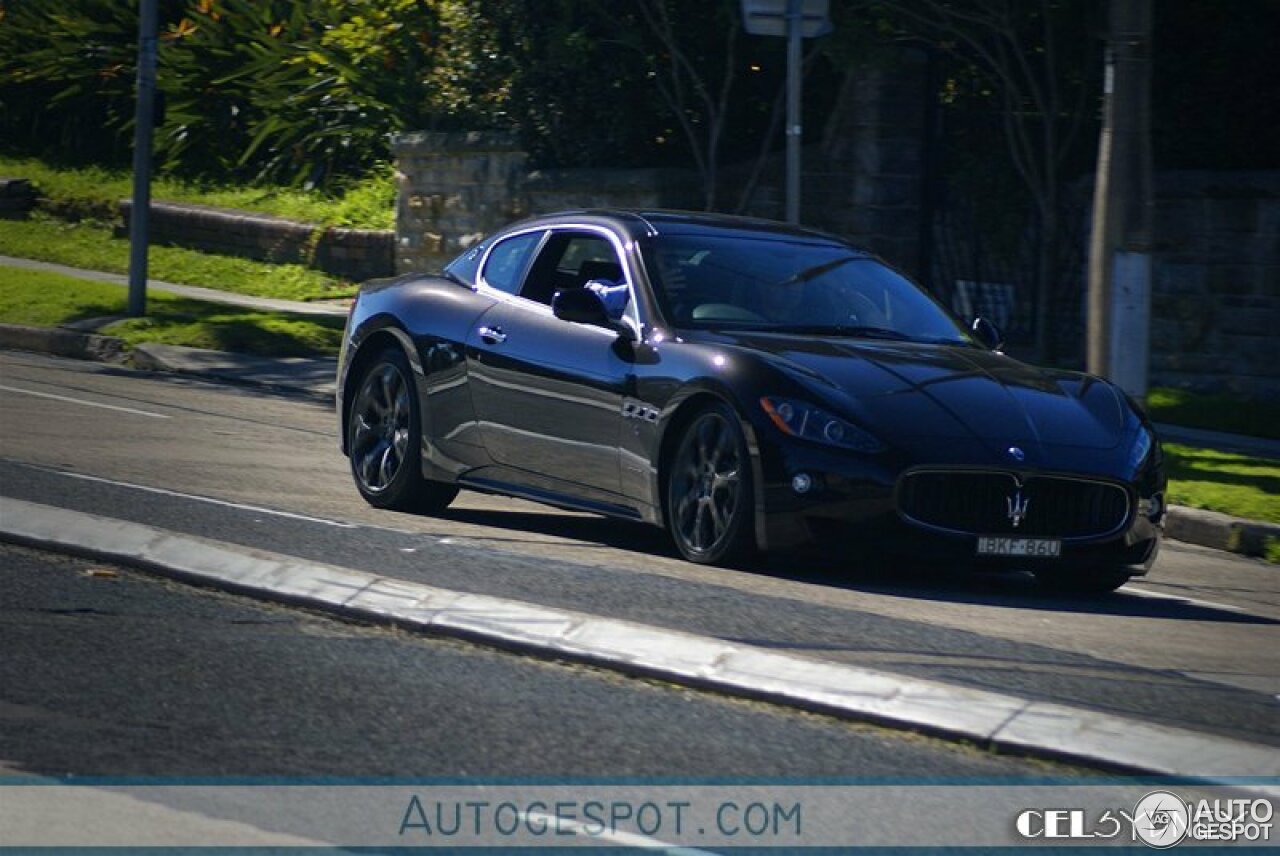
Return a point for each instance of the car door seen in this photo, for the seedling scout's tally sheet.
(548, 393)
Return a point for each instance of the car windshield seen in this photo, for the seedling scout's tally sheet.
(790, 285)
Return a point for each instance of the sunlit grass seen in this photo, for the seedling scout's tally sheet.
(37, 298)
(1240, 485)
(368, 203)
(1214, 412)
(90, 245)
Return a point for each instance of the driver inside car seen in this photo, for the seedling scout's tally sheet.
(615, 296)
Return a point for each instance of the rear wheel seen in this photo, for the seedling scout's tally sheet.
(709, 505)
(1086, 581)
(384, 439)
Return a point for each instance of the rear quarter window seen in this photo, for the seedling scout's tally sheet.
(505, 266)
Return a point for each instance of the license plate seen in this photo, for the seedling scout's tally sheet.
(1038, 548)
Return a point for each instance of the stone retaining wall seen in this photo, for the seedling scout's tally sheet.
(454, 188)
(559, 189)
(1215, 323)
(356, 254)
(860, 181)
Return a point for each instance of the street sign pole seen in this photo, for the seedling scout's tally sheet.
(794, 20)
(144, 119)
(794, 128)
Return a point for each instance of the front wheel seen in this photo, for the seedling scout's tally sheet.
(384, 439)
(709, 501)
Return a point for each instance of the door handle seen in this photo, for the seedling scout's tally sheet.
(493, 335)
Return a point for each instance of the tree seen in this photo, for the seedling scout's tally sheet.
(695, 88)
(1038, 59)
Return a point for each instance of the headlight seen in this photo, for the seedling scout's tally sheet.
(804, 420)
(1141, 448)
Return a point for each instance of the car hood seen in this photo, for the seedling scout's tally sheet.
(926, 391)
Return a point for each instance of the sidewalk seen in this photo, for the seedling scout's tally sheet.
(314, 378)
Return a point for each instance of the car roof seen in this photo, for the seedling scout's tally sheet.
(642, 222)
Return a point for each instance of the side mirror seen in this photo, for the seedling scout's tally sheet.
(584, 306)
(987, 334)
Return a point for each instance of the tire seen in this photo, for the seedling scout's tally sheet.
(708, 489)
(1084, 581)
(384, 439)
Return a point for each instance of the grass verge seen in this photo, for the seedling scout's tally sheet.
(368, 203)
(40, 299)
(90, 245)
(1240, 485)
(1215, 412)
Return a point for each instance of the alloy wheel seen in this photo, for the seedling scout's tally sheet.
(380, 428)
(708, 487)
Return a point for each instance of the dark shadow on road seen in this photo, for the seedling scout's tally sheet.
(810, 566)
(594, 531)
(1015, 590)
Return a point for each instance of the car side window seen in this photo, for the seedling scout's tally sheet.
(571, 260)
(507, 261)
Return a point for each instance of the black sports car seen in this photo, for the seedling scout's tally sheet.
(745, 384)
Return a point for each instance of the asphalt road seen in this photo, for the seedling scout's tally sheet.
(116, 677)
(109, 672)
(1197, 645)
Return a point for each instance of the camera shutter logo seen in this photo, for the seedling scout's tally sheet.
(1161, 819)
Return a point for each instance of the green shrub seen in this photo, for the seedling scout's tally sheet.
(295, 91)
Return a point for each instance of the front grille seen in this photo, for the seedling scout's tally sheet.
(981, 503)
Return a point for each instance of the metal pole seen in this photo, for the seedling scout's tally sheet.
(795, 10)
(144, 119)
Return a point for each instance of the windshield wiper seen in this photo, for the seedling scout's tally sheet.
(815, 271)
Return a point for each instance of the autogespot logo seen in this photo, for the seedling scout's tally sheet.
(1161, 819)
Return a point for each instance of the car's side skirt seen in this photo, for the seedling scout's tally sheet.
(550, 497)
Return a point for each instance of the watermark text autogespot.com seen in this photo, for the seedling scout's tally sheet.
(674, 819)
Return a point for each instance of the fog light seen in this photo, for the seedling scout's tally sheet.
(802, 483)
(1154, 508)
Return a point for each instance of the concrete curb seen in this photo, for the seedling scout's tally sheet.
(1220, 531)
(314, 379)
(62, 342)
(987, 718)
(310, 378)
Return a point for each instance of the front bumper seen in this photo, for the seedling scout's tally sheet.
(850, 508)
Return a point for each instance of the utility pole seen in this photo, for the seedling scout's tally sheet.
(144, 121)
(1120, 246)
(795, 17)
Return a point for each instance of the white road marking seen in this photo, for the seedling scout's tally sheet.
(223, 502)
(1206, 604)
(84, 402)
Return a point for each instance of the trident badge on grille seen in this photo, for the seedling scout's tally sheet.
(1017, 507)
